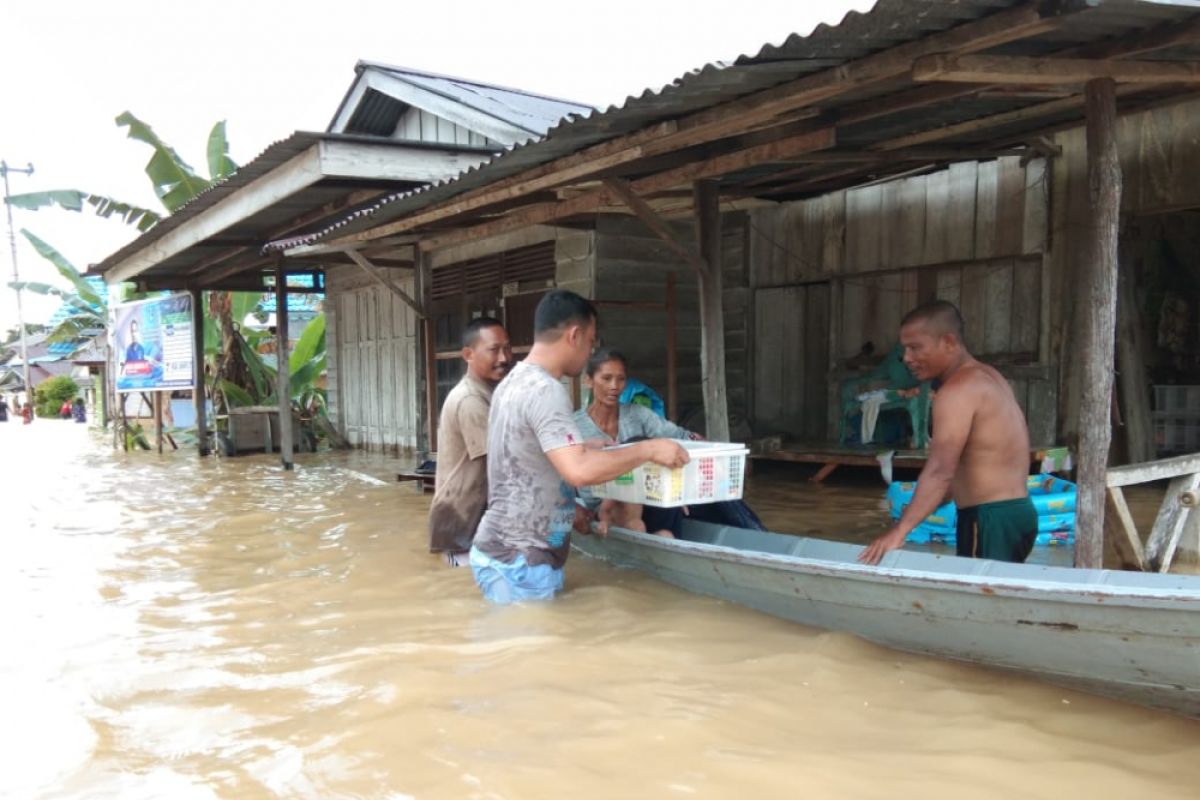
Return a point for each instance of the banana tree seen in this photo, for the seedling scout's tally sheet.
(88, 307)
(175, 183)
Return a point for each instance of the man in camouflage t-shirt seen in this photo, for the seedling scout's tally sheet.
(536, 459)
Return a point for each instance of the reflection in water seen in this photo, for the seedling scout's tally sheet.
(194, 629)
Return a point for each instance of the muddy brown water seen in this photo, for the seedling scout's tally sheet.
(177, 628)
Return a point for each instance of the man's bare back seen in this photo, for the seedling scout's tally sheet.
(994, 462)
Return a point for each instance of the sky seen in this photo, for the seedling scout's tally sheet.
(270, 68)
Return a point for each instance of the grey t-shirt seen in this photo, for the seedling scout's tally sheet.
(530, 508)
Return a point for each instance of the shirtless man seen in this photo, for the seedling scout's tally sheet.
(979, 453)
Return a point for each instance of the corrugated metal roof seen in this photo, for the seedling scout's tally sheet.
(272, 157)
(888, 24)
(531, 112)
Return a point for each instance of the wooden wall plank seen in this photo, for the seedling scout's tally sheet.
(1035, 221)
(1026, 307)
(833, 231)
(973, 305)
(891, 231)
(816, 361)
(863, 228)
(985, 208)
(937, 201)
(949, 285)
(960, 215)
(1010, 206)
(910, 242)
(997, 285)
(793, 355)
(812, 239)
(768, 375)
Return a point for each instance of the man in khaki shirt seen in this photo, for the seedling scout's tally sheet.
(461, 489)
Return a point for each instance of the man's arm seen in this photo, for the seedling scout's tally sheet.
(473, 426)
(953, 414)
(584, 466)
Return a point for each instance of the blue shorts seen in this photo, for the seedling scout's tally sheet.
(503, 583)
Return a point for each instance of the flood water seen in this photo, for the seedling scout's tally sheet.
(178, 628)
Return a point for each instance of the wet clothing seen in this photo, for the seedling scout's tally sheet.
(79, 412)
(1003, 530)
(460, 487)
(530, 509)
(504, 583)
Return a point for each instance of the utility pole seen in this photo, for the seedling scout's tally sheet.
(12, 243)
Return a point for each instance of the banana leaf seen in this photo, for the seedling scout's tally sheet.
(70, 299)
(67, 270)
(73, 200)
(220, 165)
(311, 344)
(236, 396)
(175, 182)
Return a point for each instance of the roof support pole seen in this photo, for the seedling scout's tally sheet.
(1098, 314)
(427, 341)
(282, 372)
(198, 382)
(712, 315)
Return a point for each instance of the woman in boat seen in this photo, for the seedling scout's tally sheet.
(608, 419)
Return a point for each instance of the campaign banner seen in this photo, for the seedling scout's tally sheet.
(153, 344)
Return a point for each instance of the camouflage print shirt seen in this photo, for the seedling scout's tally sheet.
(530, 508)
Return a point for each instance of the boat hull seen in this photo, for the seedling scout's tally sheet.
(1131, 636)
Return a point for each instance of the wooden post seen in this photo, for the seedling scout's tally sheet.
(158, 421)
(1098, 304)
(282, 373)
(427, 341)
(672, 351)
(198, 371)
(707, 206)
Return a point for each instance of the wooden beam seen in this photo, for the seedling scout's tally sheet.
(1171, 522)
(1048, 71)
(736, 116)
(283, 379)
(369, 268)
(427, 340)
(198, 383)
(592, 201)
(1161, 470)
(672, 350)
(712, 314)
(621, 189)
(1028, 113)
(1098, 306)
(1120, 529)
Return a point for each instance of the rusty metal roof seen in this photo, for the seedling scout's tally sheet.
(888, 24)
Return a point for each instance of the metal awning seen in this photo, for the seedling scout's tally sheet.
(215, 241)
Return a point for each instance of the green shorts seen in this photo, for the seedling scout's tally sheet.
(1003, 530)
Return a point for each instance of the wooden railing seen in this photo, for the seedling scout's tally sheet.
(1178, 516)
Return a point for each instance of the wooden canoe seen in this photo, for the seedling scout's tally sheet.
(1129, 635)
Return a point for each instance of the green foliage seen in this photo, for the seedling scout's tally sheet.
(175, 182)
(220, 165)
(73, 200)
(52, 393)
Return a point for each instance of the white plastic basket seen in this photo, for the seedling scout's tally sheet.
(716, 472)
